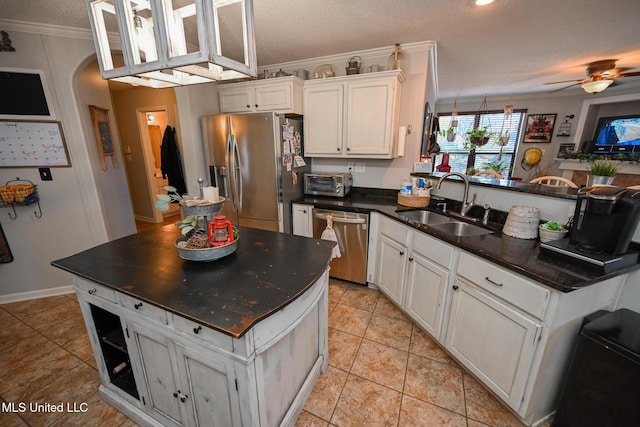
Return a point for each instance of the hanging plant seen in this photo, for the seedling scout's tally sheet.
(479, 136)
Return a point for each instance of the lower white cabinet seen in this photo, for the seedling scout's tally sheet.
(302, 218)
(492, 339)
(182, 385)
(414, 272)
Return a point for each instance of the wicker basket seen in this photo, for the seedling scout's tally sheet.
(413, 201)
(17, 193)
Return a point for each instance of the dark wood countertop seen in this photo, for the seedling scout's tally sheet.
(267, 271)
(518, 255)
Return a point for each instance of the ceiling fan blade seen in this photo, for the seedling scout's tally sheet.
(566, 87)
(566, 81)
(632, 74)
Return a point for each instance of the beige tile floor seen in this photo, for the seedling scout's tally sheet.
(383, 370)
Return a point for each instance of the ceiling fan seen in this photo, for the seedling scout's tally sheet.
(600, 75)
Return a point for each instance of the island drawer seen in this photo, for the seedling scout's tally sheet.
(91, 288)
(144, 308)
(196, 331)
(518, 291)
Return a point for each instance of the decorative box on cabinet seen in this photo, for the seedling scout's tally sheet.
(282, 95)
(353, 116)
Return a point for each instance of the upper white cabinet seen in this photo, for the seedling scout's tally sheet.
(282, 95)
(353, 116)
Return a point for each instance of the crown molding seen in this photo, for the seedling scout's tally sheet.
(47, 29)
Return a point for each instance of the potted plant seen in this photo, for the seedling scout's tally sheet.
(601, 172)
(479, 136)
(449, 133)
(499, 166)
(552, 231)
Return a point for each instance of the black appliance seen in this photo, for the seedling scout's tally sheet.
(602, 386)
(603, 224)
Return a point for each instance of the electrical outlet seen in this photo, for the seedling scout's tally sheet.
(360, 167)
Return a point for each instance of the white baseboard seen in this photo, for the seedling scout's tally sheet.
(42, 293)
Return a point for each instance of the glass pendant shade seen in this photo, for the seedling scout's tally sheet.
(164, 43)
(596, 86)
(397, 59)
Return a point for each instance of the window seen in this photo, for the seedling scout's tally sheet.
(458, 149)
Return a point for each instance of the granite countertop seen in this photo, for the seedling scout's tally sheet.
(267, 271)
(518, 255)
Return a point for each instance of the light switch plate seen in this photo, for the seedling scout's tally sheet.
(45, 174)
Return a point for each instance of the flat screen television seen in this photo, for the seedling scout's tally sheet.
(615, 135)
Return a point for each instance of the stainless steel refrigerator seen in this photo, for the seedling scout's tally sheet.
(256, 162)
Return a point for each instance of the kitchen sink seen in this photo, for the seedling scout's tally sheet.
(422, 217)
(458, 228)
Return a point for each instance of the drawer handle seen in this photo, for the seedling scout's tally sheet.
(491, 281)
(197, 330)
(137, 306)
(92, 291)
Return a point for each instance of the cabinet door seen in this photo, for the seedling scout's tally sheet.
(391, 264)
(210, 396)
(273, 97)
(493, 340)
(235, 99)
(302, 220)
(425, 290)
(370, 118)
(323, 109)
(154, 354)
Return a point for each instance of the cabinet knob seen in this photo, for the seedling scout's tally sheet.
(197, 330)
(348, 149)
(338, 149)
(248, 106)
(455, 287)
(256, 105)
(178, 395)
(401, 253)
(137, 306)
(92, 291)
(410, 259)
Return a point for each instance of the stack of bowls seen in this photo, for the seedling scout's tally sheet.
(522, 222)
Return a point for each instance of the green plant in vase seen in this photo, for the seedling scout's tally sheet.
(601, 172)
(479, 136)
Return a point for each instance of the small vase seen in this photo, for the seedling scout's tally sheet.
(471, 161)
(595, 180)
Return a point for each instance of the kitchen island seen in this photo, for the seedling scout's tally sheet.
(236, 341)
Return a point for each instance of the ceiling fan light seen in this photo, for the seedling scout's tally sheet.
(596, 86)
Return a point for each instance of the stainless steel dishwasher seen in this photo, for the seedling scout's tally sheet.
(352, 231)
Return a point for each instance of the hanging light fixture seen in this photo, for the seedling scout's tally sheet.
(165, 43)
(596, 86)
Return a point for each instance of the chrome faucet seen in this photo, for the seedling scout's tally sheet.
(466, 205)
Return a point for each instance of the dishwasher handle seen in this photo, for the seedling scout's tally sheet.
(344, 220)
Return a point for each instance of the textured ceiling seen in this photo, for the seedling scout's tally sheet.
(509, 47)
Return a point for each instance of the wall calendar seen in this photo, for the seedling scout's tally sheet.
(32, 144)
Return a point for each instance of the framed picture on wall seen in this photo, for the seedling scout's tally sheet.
(539, 128)
(102, 130)
(565, 150)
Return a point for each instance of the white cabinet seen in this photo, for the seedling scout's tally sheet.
(428, 277)
(392, 258)
(302, 218)
(493, 339)
(353, 116)
(282, 95)
(183, 387)
(414, 272)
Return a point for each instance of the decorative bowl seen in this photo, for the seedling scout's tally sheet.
(208, 254)
(550, 235)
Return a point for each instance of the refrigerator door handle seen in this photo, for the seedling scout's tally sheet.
(237, 173)
(229, 171)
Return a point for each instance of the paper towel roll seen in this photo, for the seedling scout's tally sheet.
(402, 140)
(210, 193)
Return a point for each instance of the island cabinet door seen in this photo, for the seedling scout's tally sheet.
(493, 340)
(160, 387)
(210, 390)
